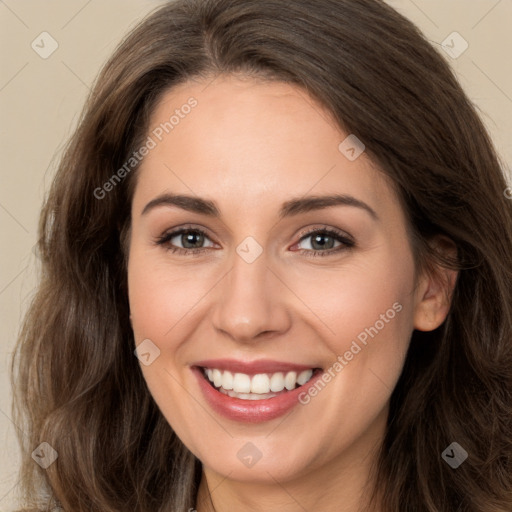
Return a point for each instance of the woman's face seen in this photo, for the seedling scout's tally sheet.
(264, 298)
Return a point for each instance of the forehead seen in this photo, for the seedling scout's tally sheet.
(252, 143)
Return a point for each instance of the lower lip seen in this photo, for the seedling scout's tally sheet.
(251, 411)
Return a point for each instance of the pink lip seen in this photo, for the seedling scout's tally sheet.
(253, 367)
(251, 411)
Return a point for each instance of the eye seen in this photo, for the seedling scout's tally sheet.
(323, 242)
(191, 240)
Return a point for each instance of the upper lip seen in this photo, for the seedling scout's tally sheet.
(253, 367)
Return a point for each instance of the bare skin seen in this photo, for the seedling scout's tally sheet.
(249, 147)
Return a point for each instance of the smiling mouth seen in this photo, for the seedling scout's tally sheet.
(256, 387)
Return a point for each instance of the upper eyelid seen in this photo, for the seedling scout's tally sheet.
(171, 233)
(330, 230)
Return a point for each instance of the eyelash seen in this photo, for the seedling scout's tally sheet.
(346, 242)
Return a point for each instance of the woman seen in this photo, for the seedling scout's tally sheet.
(276, 275)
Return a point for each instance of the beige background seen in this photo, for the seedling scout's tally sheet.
(40, 100)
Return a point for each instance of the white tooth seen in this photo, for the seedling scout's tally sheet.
(260, 383)
(304, 377)
(290, 380)
(249, 396)
(217, 378)
(277, 382)
(227, 380)
(241, 383)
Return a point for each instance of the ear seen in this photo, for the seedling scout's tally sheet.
(434, 292)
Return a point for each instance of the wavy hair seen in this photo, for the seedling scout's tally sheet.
(78, 385)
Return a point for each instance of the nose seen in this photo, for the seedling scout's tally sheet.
(252, 304)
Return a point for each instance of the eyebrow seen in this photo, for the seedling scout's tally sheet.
(294, 206)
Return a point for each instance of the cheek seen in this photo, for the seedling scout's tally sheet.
(366, 294)
(158, 295)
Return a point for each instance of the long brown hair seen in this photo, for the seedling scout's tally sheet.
(78, 385)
